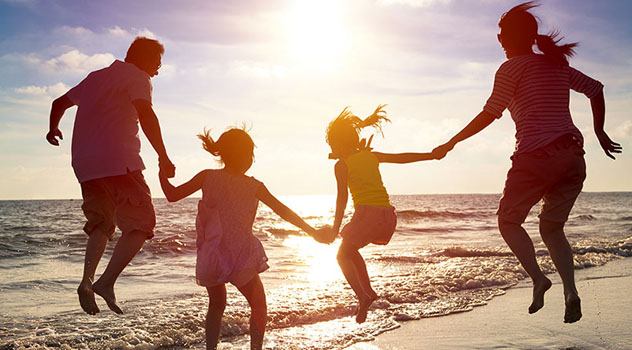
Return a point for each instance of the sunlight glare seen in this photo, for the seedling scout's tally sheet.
(316, 33)
(320, 259)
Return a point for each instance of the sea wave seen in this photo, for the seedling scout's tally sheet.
(445, 214)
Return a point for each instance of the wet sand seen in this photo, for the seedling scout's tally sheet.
(504, 323)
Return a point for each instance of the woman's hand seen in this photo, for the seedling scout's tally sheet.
(440, 151)
(608, 145)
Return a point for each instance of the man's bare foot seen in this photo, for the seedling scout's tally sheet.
(363, 307)
(86, 298)
(107, 293)
(573, 310)
(538, 295)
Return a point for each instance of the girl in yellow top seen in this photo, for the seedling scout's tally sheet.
(374, 219)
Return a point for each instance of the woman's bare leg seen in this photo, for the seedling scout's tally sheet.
(521, 245)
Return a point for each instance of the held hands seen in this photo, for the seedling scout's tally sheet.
(325, 235)
(440, 151)
(52, 136)
(608, 145)
(167, 169)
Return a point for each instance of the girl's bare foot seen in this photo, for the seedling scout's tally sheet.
(363, 307)
(86, 298)
(573, 310)
(539, 289)
(107, 293)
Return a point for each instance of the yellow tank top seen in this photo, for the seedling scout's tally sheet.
(364, 180)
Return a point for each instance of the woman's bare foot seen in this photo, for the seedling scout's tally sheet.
(86, 298)
(107, 293)
(573, 310)
(538, 294)
(363, 307)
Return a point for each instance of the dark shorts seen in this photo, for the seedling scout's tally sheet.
(123, 201)
(554, 174)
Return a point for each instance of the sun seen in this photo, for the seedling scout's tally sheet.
(316, 33)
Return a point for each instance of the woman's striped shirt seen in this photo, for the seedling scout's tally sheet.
(536, 92)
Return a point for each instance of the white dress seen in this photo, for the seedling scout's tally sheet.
(227, 250)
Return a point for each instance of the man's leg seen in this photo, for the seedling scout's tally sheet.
(95, 247)
(560, 251)
(126, 248)
(521, 245)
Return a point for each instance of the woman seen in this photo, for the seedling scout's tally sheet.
(548, 163)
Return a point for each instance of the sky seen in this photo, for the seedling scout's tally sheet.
(286, 68)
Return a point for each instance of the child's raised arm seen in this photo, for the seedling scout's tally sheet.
(288, 215)
(403, 157)
(175, 194)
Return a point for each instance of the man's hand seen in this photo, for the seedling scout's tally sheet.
(608, 145)
(167, 168)
(52, 136)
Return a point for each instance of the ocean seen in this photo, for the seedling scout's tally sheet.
(445, 257)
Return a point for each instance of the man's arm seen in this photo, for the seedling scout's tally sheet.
(402, 158)
(151, 129)
(59, 106)
(598, 106)
(480, 122)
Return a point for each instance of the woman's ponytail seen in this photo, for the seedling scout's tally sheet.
(558, 54)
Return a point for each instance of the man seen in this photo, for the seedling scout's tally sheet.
(106, 160)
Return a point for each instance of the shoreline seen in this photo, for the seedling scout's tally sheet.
(503, 323)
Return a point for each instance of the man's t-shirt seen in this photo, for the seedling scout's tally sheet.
(105, 140)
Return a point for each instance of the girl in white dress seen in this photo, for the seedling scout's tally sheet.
(227, 250)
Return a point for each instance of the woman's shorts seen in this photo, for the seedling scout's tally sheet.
(554, 174)
(123, 201)
(370, 224)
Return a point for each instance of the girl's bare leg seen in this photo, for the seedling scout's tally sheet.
(354, 269)
(216, 306)
(256, 296)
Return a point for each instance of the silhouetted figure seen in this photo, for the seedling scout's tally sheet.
(548, 162)
(227, 250)
(106, 160)
(374, 219)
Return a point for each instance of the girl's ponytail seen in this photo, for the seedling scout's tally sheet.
(558, 54)
(375, 120)
(208, 144)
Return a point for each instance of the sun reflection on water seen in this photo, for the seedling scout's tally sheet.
(319, 259)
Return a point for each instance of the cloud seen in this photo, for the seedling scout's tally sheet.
(48, 91)
(413, 3)
(76, 61)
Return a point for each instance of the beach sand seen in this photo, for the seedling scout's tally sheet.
(504, 323)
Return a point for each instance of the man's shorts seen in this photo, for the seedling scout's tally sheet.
(370, 224)
(554, 174)
(123, 201)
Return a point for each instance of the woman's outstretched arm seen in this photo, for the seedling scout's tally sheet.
(175, 194)
(480, 122)
(598, 106)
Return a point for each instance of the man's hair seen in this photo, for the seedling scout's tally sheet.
(143, 49)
